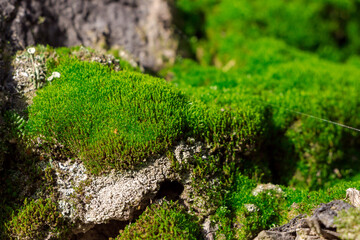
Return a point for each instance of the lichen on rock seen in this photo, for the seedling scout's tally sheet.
(88, 200)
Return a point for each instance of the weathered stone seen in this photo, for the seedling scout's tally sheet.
(142, 28)
(287, 231)
(270, 235)
(92, 200)
(251, 208)
(209, 229)
(326, 212)
(353, 195)
(317, 227)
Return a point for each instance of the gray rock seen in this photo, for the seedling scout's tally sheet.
(326, 212)
(285, 232)
(142, 28)
(354, 196)
(89, 200)
(209, 229)
(317, 227)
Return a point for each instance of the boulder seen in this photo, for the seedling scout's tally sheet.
(143, 28)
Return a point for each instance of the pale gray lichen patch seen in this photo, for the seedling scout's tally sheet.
(185, 152)
(353, 195)
(88, 200)
(266, 187)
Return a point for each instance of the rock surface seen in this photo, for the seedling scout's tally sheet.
(142, 28)
(317, 227)
(92, 200)
(354, 196)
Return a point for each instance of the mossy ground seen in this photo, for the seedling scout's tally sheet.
(37, 219)
(166, 220)
(249, 97)
(348, 224)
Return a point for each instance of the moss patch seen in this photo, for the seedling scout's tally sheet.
(37, 219)
(167, 220)
(111, 119)
(244, 215)
(329, 28)
(348, 224)
(299, 149)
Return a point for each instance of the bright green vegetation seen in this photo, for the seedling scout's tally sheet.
(251, 45)
(331, 28)
(167, 220)
(117, 119)
(37, 219)
(250, 55)
(262, 68)
(271, 208)
(348, 224)
(299, 150)
(56, 55)
(22, 176)
(111, 119)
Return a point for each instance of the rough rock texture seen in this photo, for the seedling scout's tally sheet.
(141, 27)
(96, 200)
(317, 227)
(354, 196)
(209, 229)
(92, 200)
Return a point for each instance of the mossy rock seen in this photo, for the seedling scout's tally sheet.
(111, 119)
(245, 214)
(299, 99)
(37, 219)
(348, 224)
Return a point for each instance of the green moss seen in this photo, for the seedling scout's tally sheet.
(36, 220)
(108, 118)
(348, 224)
(53, 56)
(270, 207)
(167, 220)
(245, 215)
(279, 94)
(329, 28)
(117, 119)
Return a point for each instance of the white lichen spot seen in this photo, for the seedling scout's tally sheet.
(56, 75)
(251, 207)
(31, 50)
(24, 74)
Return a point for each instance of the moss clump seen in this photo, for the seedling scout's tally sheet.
(37, 219)
(167, 220)
(329, 28)
(60, 54)
(111, 119)
(278, 92)
(348, 224)
(256, 56)
(244, 215)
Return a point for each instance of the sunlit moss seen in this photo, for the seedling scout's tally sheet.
(167, 220)
(37, 219)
